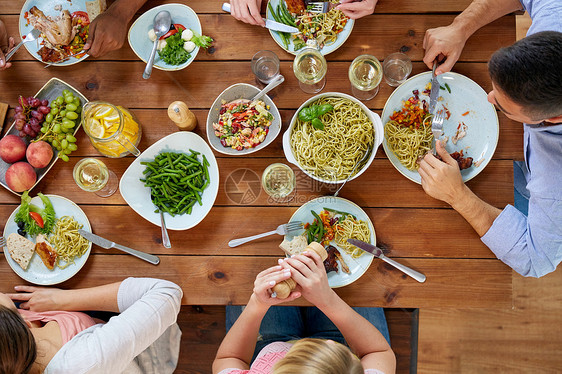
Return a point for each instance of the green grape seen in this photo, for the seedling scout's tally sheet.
(53, 104)
(60, 100)
(71, 107)
(54, 111)
(68, 122)
(65, 92)
(71, 115)
(68, 99)
(70, 138)
(44, 129)
(64, 143)
(49, 118)
(56, 128)
(76, 101)
(63, 157)
(59, 148)
(79, 110)
(72, 147)
(55, 143)
(63, 113)
(66, 151)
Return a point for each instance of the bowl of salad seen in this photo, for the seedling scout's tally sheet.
(237, 125)
(177, 48)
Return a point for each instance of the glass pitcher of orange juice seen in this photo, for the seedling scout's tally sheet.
(113, 130)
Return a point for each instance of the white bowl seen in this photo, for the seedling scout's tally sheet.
(375, 120)
(235, 92)
(138, 196)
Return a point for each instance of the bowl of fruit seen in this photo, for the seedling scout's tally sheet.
(43, 131)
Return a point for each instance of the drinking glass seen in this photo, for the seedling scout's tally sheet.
(278, 180)
(365, 75)
(310, 68)
(265, 66)
(397, 67)
(92, 175)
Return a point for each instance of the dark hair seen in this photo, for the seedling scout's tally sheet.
(529, 72)
(17, 344)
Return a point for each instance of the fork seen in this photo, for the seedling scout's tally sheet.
(33, 35)
(437, 128)
(2, 241)
(281, 230)
(317, 7)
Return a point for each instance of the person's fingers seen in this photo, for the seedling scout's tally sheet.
(298, 276)
(268, 271)
(91, 36)
(444, 154)
(2, 60)
(24, 305)
(430, 55)
(426, 38)
(293, 296)
(303, 264)
(19, 296)
(447, 65)
(235, 9)
(24, 288)
(11, 43)
(424, 175)
(316, 258)
(425, 164)
(255, 13)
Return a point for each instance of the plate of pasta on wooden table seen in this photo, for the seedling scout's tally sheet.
(330, 29)
(471, 126)
(43, 244)
(331, 220)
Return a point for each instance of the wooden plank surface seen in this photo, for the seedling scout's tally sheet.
(220, 280)
(378, 35)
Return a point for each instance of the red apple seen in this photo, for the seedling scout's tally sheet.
(20, 176)
(12, 148)
(39, 154)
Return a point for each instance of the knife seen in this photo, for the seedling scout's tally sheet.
(104, 243)
(377, 252)
(270, 24)
(434, 93)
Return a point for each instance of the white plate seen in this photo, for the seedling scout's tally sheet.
(466, 96)
(37, 272)
(234, 92)
(357, 266)
(327, 49)
(142, 45)
(138, 196)
(48, 8)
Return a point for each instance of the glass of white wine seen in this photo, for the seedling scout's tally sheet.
(310, 68)
(278, 180)
(92, 175)
(365, 75)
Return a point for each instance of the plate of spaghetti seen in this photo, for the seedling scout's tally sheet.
(331, 221)
(72, 250)
(330, 29)
(471, 127)
(350, 132)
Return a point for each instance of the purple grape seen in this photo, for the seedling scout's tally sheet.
(33, 120)
(36, 127)
(38, 115)
(33, 134)
(27, 129)
(20, 123)
(21, 134)
(45, 102)
(35, 102)
(18, 109)
(44, 109)
(19, 116)
(23, 101)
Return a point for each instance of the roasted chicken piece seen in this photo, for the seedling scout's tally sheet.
(464, 162)
(295, 6)
(58, 31)
(331, 264)
(45, 251)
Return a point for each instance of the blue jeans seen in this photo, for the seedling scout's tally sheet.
(285, 323)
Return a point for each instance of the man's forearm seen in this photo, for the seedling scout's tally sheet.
(479, 214)
(482, 12)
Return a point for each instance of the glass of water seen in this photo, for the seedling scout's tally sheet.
(365, 75)
(310, 68)
(397, 67)
(265, 66)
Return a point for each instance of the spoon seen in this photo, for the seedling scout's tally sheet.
(353, 171)
(277, 80)
(161, 24)
(165, 238)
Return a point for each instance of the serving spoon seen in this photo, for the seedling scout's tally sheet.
(365, 157)
(277, 80)
(161, 24)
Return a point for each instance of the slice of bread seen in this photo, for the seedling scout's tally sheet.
(95, 8)
(295, 246)
(21, 249)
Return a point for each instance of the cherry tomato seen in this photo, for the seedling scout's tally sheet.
(82, 16)
(175, 29)
(37, 218)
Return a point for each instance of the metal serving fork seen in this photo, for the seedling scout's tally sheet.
(437, 128)
(317, 6)
(33, 35)
(2, 241)
(281, 230)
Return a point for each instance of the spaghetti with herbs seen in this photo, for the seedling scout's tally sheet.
(67, 242)
(352, 228)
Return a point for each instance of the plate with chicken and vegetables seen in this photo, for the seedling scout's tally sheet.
(64, 27)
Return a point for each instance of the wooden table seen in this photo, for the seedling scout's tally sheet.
(415, 229)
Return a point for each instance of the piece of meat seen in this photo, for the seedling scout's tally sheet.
(295, 6)
(331, 262)
(464, 162)
(45, 251)
(49, 54)
(344, 266)
(58, 31)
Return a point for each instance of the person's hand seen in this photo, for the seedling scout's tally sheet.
(36, 299)
(264, 283)
(247, 11)
(443, 43)
(308, 271)
(6, 45)
(357, 9)
(107, 33)
(441, 179)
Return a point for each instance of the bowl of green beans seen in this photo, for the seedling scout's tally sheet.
(177, 175)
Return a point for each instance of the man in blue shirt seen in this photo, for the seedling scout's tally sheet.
(527, 87)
